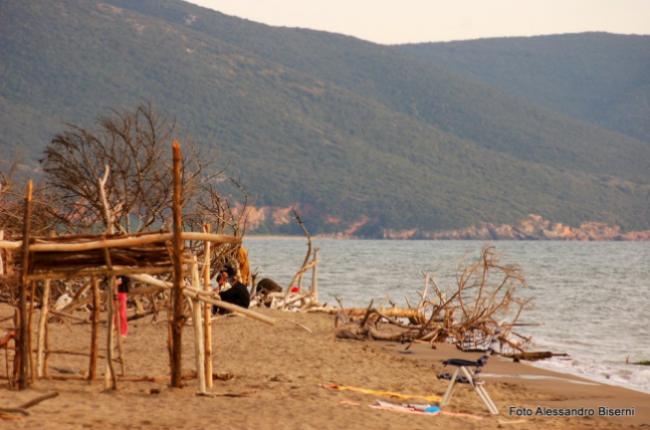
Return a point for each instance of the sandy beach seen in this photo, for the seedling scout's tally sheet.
(277, 377)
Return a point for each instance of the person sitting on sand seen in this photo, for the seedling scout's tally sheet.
(222, 282)
(231, 290)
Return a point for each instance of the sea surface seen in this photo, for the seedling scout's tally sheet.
(590, 299)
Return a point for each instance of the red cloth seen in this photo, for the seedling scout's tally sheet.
(124, 324)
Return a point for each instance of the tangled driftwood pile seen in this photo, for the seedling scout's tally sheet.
(482, 308)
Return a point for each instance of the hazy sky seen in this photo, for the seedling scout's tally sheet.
(387, 21)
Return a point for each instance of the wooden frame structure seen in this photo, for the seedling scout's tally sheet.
(139, 256)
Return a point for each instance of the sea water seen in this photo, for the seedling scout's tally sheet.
(590, 299)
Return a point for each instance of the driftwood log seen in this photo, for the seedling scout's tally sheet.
(132, 240)
(22, 409)
(534, 355)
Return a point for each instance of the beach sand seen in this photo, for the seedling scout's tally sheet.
(277, 381)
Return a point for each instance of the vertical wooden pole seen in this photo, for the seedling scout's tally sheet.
(23, 344)
(13, 376)
(197, 313)
(170, 334)
(42, 322)
(177, 293)
(6, 269)
(110, 380)
(314, 277)
(94, 334)
(198, 343)
(118, 335)
(46, 369)
(30, 317)
(16, 370)
(207, 310)
(9, 375)
(9, 272)
(2, 266)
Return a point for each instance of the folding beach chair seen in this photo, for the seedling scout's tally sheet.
(471, 378)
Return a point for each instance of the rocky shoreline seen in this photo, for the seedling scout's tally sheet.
(533, 227)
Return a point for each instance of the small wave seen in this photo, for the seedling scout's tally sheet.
(630, 376)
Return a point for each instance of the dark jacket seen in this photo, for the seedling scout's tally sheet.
(237, 295)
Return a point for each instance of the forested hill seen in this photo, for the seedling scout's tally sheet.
(599, 77)
(354, 132)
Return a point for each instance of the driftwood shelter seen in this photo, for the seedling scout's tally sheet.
(30, 260)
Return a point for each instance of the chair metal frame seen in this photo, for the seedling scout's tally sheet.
(476, 383)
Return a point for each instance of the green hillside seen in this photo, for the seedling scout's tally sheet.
(431, 93)
(599, 77)
(344, 127)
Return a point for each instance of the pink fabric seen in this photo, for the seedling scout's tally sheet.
(124, 324)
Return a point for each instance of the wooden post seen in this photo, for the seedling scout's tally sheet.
(9, 272)
(23, 344)
(46, 369)
(16, 368)
(314, 277)
(118, 335)
(2, 266)
(198, 343)
(170, 334)
(42, 323)
(110, 380)
(197, 311)
(94, 335)
(9, 375)
(207, 310)
(30, 318)
(177, 293)
(42, 329)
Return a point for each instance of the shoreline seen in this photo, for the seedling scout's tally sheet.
(590, 377)
(273, 237)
